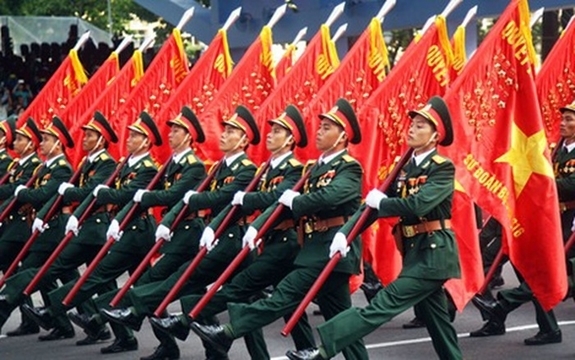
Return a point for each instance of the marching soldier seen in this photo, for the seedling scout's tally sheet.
(184, 172)
(331, 194)
(129, 248)
(16, 226)
(280, 246)
(7, 133)
(510, 299)
(54, 172)
(96, 167)
(232, 174)
(421, 197)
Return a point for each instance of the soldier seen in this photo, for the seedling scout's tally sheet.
(421, 197)
(96, 167)
(234, 174)
(16, 226)
(331, 194)
(129, 248)
(54, 172)
(280, 245)
(185, 171)
(510, 299)
(7, 133)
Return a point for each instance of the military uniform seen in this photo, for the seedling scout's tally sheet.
(7, 126)
(5, 161)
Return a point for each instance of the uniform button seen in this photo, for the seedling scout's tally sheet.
(285, 239)
(411, 245)
(309, 236)
(433, 246)
(134, 227)
(187, 227)
(23, 218)
(98, 221)
(231, 235)
(11, 217)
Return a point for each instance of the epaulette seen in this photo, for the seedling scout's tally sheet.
(35, 160)
(13, 163)
(3, 156)
(148, 163)
(438, 159)
(307, 165)
(190, 159)
(347, 158)
(62, 162)
(247, 162)
(103, 156)
(294, 162)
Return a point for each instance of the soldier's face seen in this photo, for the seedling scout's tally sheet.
(89, 140)
(328, 135)
(47, 144)
(567, 126)
(177, 136)
(20, 144)
(135, 142)
(276, 138)
(230, 138)
(421, 133)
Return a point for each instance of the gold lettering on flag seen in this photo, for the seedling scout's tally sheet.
(436, 61)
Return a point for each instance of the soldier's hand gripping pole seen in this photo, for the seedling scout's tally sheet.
(104, 250)
(3, 216)
(70, 235)
(242, 254)
(203, 251)
(354, 232)
(154, 250)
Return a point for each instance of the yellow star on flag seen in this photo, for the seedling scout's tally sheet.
(526, 156)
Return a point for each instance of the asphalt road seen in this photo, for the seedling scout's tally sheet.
(390, 341)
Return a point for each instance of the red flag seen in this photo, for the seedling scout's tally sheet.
(111, 98)
(555, 82)
(501, 153)
(162, 77)
(63, 85)
(459, 55)
(249, 84)
(421, 73)
(201, 85)
(286, 62)
(95, 86)
(299, 86)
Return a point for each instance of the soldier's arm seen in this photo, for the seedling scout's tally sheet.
(123, 195)
(37, 197)
(223, 195)
(102, 173)
(41, 214)
(191, 177)
(7, 190)
(342, 189)
(566, 186)
(171, 215)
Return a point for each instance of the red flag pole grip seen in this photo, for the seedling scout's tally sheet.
(12, 202)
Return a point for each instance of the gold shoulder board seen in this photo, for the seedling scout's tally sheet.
(247, 162)
(294, 162)
(438, 159)
(191, 159)
(348, 158)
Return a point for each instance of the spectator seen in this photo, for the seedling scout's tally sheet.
(22, 91)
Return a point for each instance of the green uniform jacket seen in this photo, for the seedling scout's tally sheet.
(130, 179)
(178, 179)
(16, 227)
(564, 167)
(93, 173)
(332, 190)
(5, 161)
(272, 184)
(46, 185)
(423, 191)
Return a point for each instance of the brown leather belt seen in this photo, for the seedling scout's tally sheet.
(322, 225)
(567, 205)
(200, 213)
(425, 227)
(284, 225)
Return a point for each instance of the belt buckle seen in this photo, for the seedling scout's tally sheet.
(308, 227)
(409, 231)
(562, 207)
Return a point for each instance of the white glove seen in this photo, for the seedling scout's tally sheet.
(18, 189)
(338, 244)
(72, 225)
(374, 197)
(207, 239)
(163, 232)
(287, 197)
(573, 225)
(98, 188)
(249, 238)
(63, 187)
(238, 198)
(39, 225)
(187, 196)
(139, 194)
(114, 230)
